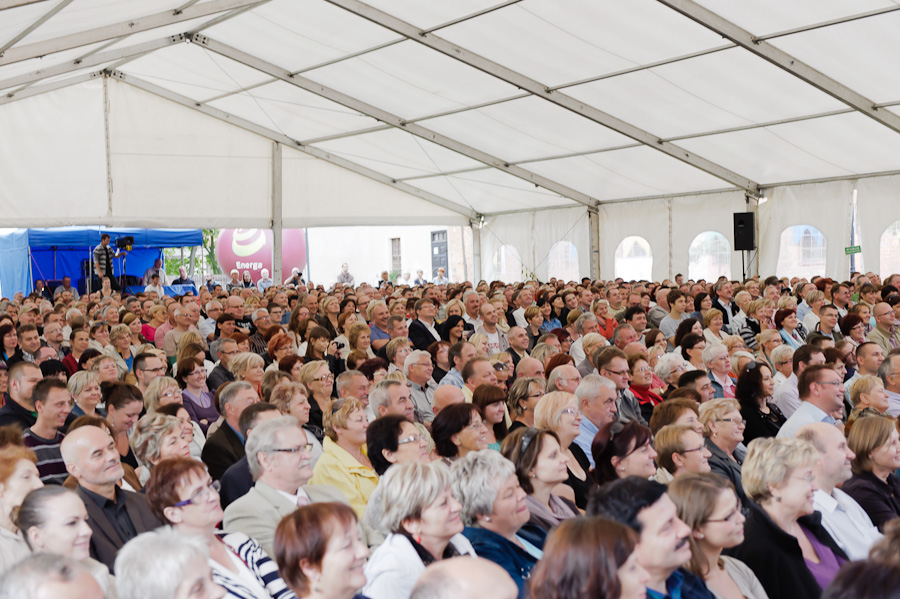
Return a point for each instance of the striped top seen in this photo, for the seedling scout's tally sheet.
(50, 465)
(259, 576)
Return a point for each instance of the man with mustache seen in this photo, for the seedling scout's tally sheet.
(662, 548)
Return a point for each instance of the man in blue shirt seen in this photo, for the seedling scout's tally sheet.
(663, 547)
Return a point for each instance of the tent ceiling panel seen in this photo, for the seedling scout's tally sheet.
(73, 74)
(398, 154)
(492, 191)
(297, 34)
(88, 14)
(769, 16)
(846, 144)
(362, 201)
(860, 54)
(165, 157)
(632, 172)
(193, 71)
(16, 20)
(706, 93)
(36, 64)
(561, 42)
(56, 172)
(432, 14)
(525, 129)
(293, 111)
(159, 32)
(410, 80)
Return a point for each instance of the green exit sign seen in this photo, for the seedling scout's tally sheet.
(853, 249)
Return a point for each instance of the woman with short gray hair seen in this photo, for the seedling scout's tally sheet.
(495, 513)
(156, 437)
(422, 518)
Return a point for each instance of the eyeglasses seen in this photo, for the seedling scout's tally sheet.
(411, 439)
(307, 448)
(730, 518)
(424, 364)
(691, 450)
(644, 369)
(616, 372)
(477, 425)
(323, 378)
(172, 393)
(828, 383)
(739, 421)
(159, 370)
(809, 478)
(569, 411)
(200, 496)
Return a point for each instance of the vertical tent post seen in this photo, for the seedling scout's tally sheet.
(276, 213)
(594, 235)
(476, 251)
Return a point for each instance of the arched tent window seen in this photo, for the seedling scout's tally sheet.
(802, 252)
(709, 257)
(507, 265)
(562, 262)
(890, 250)
(634, 259)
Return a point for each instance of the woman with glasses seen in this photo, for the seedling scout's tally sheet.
(84, 388)
(718, 364)
(785, 543)
(854, 329)
(200, 403)
(522, 399)
(707, 504)
(641, 383)
(754, 391)
(876, 443)
(344, 464)
(491, 400)
(723, 427)
(540, 467)
(422, 519)
(319, 383)
(458, 430)
(182, 494)
(504, 369)
(559, 412)
(669, 368)
(679, 449)
(291, 400)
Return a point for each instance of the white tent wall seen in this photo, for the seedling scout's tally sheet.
(169, 162)
(825, 206)
(533, 235)
(878, 204)
(648, 219)
(53, 159)
(692, 215)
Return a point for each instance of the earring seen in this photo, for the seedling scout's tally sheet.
(622, 469)
(419, 539)
(487, 518)
(700, 535)
(778, 499)
(531, 475)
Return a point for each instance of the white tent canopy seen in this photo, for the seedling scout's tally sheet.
(538, 122)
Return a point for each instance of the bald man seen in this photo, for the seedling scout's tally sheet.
(530, 367)
(446, 395)
(464, 577)
(115, 516)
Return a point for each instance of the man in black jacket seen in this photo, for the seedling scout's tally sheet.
(226, 446)
(19, 408)
(422, 331)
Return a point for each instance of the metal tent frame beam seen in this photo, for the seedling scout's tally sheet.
(783, 60)
(116, 30)
(37, 23)
(391, 119)
(292, 143)
(541, 91)
(37, 90)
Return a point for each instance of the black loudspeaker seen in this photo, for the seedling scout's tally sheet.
(744, 232)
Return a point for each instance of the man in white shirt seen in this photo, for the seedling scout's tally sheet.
(497, 339)
(207, 326)
(154, 286)
(584, 325)
(889, 372)
(822, 392)
(787, 396)
(843, 518)
(522, 300)
(472, 303)
(869, 357)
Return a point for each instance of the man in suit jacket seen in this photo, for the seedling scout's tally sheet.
(280, 461)
(226, 446)
(238, 480)
(422, 331)
(115, 516)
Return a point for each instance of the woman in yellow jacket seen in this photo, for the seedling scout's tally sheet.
(344, 463)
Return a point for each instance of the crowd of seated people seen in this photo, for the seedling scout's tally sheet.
(559, 440)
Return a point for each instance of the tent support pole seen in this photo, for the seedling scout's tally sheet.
(476, 252)
(594, 235)
(277, 275)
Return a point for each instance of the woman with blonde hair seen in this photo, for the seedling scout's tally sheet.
(559, 412)
(344, 464)
(18, 476)
(359, 338)
(706, 502)
(319, 383)
(766, 342)
(607, 325)
(291, 400)
(134, 325)
(119, 348)
(249, 367)
(482, 347)
(84, 388)
(396, 351)
(713, 322)
(723, 428)
(876, 443)
(785, 543)
(868, 397)
(816, 300)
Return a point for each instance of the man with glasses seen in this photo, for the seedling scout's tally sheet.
(226, 349)
(787, 396)
(418, 369)
(115, 515)
(278, 454)
(612, 364)
(262, 321)
(822, 393)
(889, 373)
(422, 331)
(564, 378)
(226, 446)
(147, 366)
(597, 400)
(886, 333)
(840, 298)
